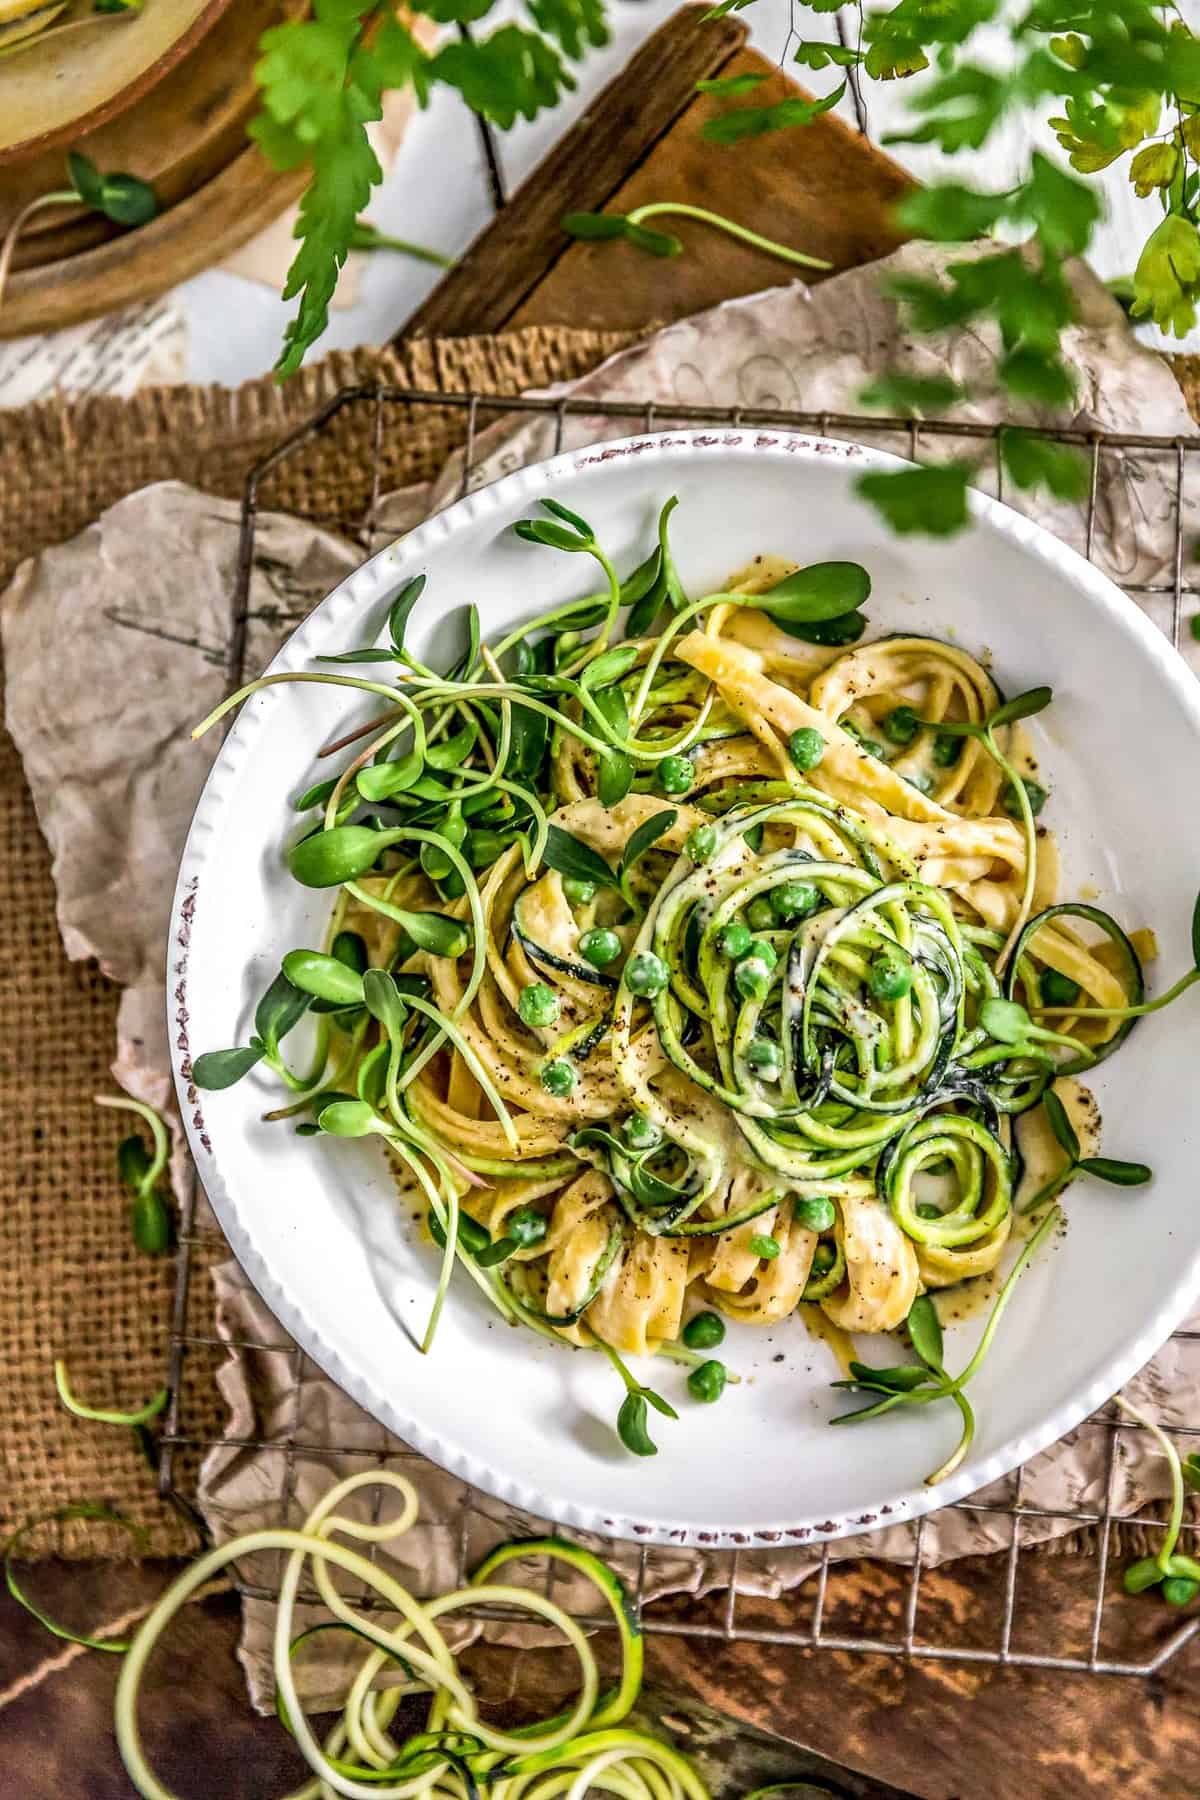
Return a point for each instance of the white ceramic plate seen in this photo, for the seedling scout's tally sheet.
(316, 1223)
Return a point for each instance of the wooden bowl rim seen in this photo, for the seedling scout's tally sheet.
(124, 97)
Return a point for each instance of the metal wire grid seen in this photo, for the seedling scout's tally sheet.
(820, 1621)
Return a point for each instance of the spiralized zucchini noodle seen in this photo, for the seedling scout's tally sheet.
(716, 970)
(455, 1755)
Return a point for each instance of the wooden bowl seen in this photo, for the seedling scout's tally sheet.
(58, 88)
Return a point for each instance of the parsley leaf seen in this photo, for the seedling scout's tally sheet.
(322, 80)
(933, 499)
(819, 53)
(908, 396)
(755, 121)
(730, 84)
(1166, 282)
(510, 75)
(1034, 461)
(949, 213)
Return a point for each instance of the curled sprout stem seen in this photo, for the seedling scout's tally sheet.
(100, 1415)
(677, 209)
(158, 1130)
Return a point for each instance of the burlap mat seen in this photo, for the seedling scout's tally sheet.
(71, 1281)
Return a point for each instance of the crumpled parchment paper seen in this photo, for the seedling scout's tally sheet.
(115, 777)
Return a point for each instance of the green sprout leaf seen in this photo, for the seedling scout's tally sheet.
(1060, 1124)
(349, 1119)
(1021, 706)
(401, 609)
(631, 1425)
(570, 856)
(821, 592)
(925, 1332)
(281, 1007)
(1120, 1174)
(646, 834)
(221, 1068)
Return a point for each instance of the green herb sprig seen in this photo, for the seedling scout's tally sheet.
(926, 1381)
(142, 1173)
(322, 81)
(1175, 1575)
(1103, 1168)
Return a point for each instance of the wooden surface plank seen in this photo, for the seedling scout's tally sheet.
(586, 166)
(945, 1731)
(821, 188)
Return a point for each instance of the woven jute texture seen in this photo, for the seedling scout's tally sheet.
(71, 1281)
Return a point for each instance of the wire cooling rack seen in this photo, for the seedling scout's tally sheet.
(823, 1614)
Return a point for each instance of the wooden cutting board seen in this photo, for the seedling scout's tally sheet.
(820, 188)
(187, 136)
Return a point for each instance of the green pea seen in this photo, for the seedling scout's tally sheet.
(640, 1133)
(676, 774)
(752, 977)
(1178, 1590)
(701, 843)
(1056, 989)
(806, 747)
(599, 947)
(817, 1214)
(538, 1004)
(704, 1332)
(325, 977)
(947, 748)
(926, 1210)
(646, 973)
(871, 745)
(527, 1226)
(734, 940)
(765, 1058)
(824, 1257)
(891, 975)
(1035, 793)
(795, 900)
(764, 1246)
(576, 892)
(707, 1383)
(760, 913)
(901, 725)
(558, 1078)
